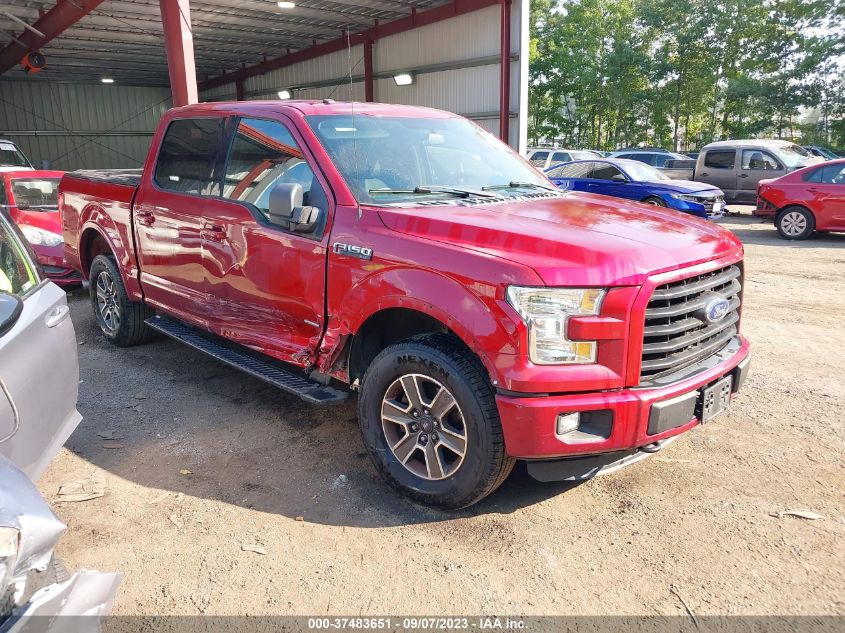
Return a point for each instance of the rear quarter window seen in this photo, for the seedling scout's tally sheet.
(720, 159)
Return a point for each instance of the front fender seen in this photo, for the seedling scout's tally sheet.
(475, 317)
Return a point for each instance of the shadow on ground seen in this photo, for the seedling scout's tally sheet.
(171, 409)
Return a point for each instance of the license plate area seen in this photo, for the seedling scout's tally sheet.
(714, 399)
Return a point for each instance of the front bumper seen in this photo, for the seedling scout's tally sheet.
(87, 594)
(52, 260)
(529, 423)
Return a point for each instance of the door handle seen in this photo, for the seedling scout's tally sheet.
(813, 189)
(56, 316)
(704, 173)
(146, 218)
(213, 233)
(743, 175)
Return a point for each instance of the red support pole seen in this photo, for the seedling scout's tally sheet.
(505, 77)
(179, 44)
(369, 93)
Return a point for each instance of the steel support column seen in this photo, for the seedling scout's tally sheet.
(179, 44)
(368, 72)
(505, 75)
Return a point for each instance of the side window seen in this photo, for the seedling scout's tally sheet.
(538, 159)
(831, 175)
(720, 159)
(605, 171)
(17, 273)
(560, 157)
(756, 159)
(265, 153)
(573, 170)
(3, 199)
(188, 156)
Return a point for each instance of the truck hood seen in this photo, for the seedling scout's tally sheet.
(571, 238)
(683, 186)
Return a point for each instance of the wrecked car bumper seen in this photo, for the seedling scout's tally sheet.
(88, 595)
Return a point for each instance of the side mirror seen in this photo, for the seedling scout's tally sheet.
(10, 310)
(618, 178)
(286, 210)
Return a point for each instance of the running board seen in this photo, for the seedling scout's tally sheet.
(287, 380)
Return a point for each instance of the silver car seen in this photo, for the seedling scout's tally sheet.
(39, 376)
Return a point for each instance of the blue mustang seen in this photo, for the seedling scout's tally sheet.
(634, 180)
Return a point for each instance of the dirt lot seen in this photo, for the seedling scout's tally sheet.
(265, 473)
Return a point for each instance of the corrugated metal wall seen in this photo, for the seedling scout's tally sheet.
(456, 63)
(81, 126)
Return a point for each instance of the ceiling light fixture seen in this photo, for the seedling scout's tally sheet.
(403, 79)
(284, 94)
(286, 5)
(107, 80)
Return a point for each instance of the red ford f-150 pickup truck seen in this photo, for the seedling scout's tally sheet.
(482, 315)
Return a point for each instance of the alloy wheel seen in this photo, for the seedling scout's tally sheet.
(107, 302)
(424, 426)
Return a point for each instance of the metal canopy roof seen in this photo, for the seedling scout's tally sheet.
(123, 40)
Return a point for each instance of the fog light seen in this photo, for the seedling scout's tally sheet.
(566, 423)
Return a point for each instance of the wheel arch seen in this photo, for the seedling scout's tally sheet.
(412, 302)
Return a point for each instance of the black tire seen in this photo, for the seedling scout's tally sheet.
(447, 363)
(128, 328)
(655, 201)
(795, 223)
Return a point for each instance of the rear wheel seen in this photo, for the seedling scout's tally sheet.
(795, 223)
(429, 420)
(121, 320)
(655, 201)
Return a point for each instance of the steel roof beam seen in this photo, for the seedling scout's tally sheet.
(52, 24)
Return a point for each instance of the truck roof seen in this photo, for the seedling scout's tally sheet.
(316, 107)
(753, 142)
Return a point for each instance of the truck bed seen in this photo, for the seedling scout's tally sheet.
(131, 177)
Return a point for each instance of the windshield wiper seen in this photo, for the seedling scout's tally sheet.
(429, 189)
(515, 184)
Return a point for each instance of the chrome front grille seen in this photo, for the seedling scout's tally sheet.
(677, 333)
(710, 202)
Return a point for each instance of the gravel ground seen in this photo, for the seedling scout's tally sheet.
(209, 465)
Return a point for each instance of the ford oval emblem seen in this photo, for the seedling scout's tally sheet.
(716, 309)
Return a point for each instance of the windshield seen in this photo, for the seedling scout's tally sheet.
(36, 194)
(641, 171)
(793, 155)
(11, 156)
(387, 160)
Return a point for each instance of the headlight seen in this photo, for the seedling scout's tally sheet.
(545, 312)
(686, 198)
(9, 541)
(40, 237)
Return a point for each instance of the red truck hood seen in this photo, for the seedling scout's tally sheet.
(574, 239)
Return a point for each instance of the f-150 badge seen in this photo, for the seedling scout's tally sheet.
(351, 250)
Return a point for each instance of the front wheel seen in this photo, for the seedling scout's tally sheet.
(795, 223)
(120, 319)
(655, 201)
(429, 420)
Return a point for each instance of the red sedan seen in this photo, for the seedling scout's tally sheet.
(807, 200)
(30, 197)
